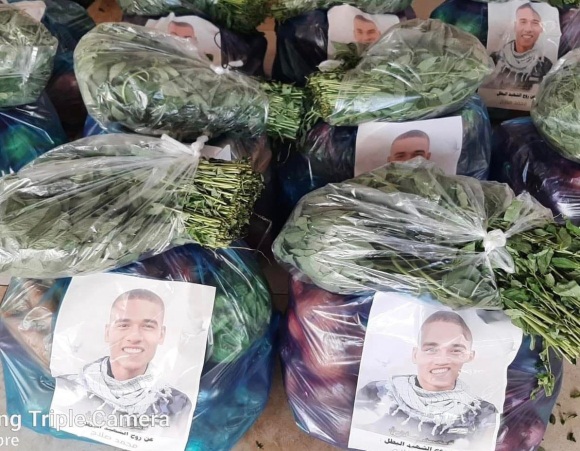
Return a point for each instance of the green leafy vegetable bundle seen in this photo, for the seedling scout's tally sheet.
(106, 201)
(153, 83)
(237, 15)
(285, 9)
(556, 108)
(408, 227)
(418, 69)
(27, 52)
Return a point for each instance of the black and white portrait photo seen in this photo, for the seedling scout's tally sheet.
(144, 379)
(432, 378)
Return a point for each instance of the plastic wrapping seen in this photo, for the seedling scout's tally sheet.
(26, 132)
(327, 154)
(244, 50)
(408, 227)
(417, 70)
(524, 160)
(321, 351)
(106, 201)
(555, 108)
(173, 89)
(27, 51)
(243, 16)
(237, 373)
(302, 43)
(283, 10)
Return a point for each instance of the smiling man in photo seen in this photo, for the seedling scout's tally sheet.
(126, 382)
(366, 31)
(409, 145)
(521, 63)
(433, 404)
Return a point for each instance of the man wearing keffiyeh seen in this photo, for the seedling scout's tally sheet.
(433, 405)
(520, 63)
(126, 383)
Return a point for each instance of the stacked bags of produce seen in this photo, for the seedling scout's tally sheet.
(240, 16)
(174, 89)
(426, 242)
(418, 70)
(460, 143)
(244, 51)
(342, 32)
(235, 374)
(106, 201)
(540, 155)
(524, 49)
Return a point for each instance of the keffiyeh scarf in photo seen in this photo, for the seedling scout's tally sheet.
(522, 64)
(135, 396)
(443, 409)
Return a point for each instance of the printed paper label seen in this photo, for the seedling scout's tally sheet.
(34, 9)
(203, 34)
(349, 25)
(127, 356)
(438, 140)
(523, 40)
(431, 378)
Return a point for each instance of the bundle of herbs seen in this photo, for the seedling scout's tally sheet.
(556, 108)
(418, 69)
(27, 51)
(285, 9)
(106, 201)
(243, 16)
(408, 227)
(151, 82)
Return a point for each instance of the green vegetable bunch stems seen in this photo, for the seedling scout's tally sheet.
(286, 9)
(285, 110)
(555, 110)
(220, 201)
(27, 51)
(243, 16)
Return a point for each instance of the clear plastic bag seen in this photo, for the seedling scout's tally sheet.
(408, 227)
(27, 132)
(237, 373)
(107, 201)
(418, 69)
(555, 108)
(174, 89)
(327, 154)
(282, 10)
(321, 349)
(525, 161)
(27, 52)
(302, 44)
(241, 16)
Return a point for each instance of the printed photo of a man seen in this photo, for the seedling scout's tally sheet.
(409, 145)
(366, 31)
(521, 63)
(433, 404)
(126, 382)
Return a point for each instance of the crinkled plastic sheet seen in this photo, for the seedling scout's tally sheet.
(237, 374)
(524, 160)
(153, 83)
(302, 43)
(418, 69)
(555, 108)
(26, 132)
(322, 344)
(327, 154)
(383, 230)
(95, 204)
(27, 52)
(288, 9)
